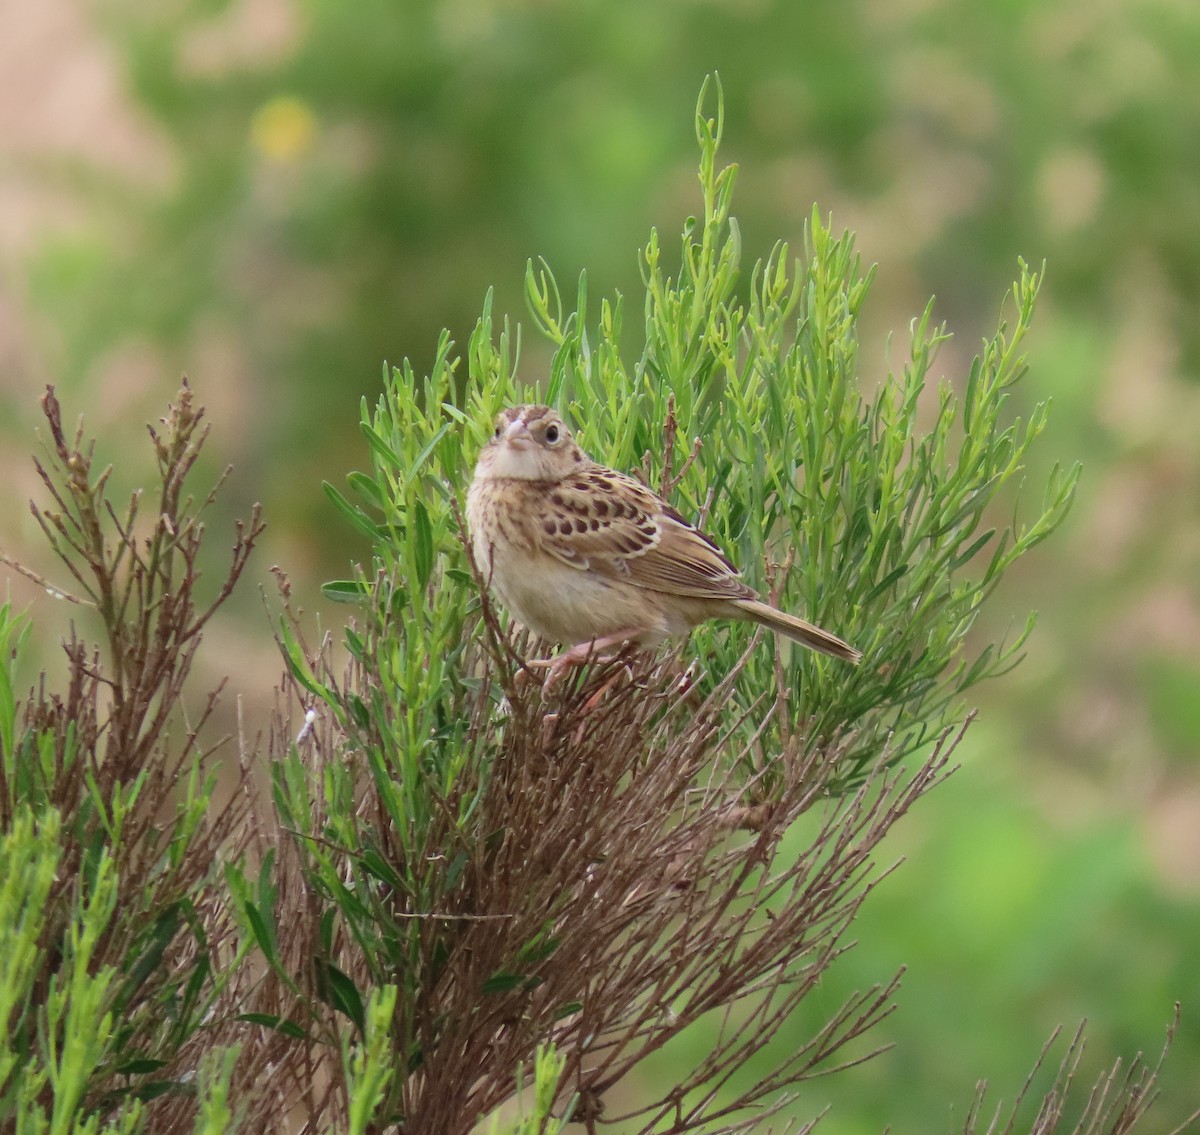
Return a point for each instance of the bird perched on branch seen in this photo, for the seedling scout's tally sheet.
(591, 558)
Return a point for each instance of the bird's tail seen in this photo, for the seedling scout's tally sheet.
(804, 633)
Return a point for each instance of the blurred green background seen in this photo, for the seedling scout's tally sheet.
(275, 196)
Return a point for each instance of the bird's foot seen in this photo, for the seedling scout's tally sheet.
(594, 650)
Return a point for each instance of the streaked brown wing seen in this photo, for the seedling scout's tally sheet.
(600, 520)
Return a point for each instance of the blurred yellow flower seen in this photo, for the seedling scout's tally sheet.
(283, 128)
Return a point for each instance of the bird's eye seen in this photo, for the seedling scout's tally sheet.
(498, 431)
(551, 434)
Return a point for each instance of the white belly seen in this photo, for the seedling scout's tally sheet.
(556, 601)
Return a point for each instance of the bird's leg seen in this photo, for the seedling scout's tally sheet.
(580, 653)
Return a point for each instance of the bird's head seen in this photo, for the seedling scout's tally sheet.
(530, 443)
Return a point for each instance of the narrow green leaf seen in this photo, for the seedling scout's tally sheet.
(150, 957)
(537, 950)
(284, 1025)
(454, 871)
(377, 443)
(346, 590)
(262, 933)
(159, 1088)
(976, 545)
(338, 992)
(892, 576)
(298, 663)
(376, 865)
(503, 982)
(358, 709)
(367, 487)
(139, 1067)
(185, 1025)
(326, 927)
(423, 546)
(357, 518)
(423, 456)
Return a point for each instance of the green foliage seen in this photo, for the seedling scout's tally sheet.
(877, 524)
(875, 514)
(368, 1065)
(543, 1087)
(846, 507)
(46, 1071)
(13, 631)
(125, 973)
(217, 1114)
(872, 514)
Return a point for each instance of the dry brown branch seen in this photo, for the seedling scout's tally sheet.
(128, 759)
(619, 880)
(1113, 1106)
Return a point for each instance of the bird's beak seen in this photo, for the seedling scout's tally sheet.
(517, 435)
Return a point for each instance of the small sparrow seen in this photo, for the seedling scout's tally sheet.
(588, 557)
